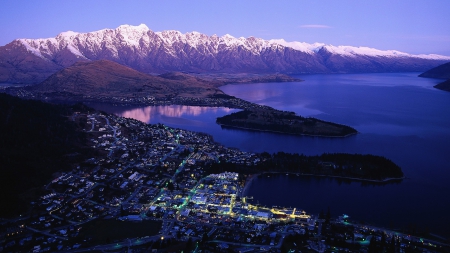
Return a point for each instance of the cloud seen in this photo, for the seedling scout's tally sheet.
(315, 26)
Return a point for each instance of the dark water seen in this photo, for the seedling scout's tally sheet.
(399, 116)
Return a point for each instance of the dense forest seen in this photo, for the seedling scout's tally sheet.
(37, 139)
(358, 166)
(283, 122)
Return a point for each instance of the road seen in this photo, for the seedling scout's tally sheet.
(47, 234)
(123, 244)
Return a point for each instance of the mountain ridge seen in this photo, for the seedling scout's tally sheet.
(138, 47)
(111, 79)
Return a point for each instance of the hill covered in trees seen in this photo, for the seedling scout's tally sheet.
(37, 139)
(351, 166)
(268, 119)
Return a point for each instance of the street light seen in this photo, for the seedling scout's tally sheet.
(162, 238)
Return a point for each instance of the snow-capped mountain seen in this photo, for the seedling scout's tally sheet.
(32, 60)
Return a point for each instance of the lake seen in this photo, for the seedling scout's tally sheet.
(398, 115)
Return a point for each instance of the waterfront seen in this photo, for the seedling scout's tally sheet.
(399, 116)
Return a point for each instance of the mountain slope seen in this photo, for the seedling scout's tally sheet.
(110, 79)
(33, 60)
(441, 72)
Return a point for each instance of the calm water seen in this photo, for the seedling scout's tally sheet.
(399, 116)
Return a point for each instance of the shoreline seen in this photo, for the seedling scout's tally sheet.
(248, 183)
(249, 180)
(271, 131)
(358, 179)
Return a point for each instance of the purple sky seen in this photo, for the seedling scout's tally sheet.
(416, 27)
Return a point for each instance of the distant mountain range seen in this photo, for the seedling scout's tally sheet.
(33, 60)
(440, 72)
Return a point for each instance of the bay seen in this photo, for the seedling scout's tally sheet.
(398, 115)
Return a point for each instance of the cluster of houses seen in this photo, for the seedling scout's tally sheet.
(154, 172)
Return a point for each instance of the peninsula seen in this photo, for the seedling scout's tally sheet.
(440, 72)
(109, 82)
(106, 171)
(269, 119)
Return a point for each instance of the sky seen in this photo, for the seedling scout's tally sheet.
(416, 27)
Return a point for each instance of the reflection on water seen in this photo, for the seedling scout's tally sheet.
(146, 114)
(261, 94)
(398, 115)
(193, 118)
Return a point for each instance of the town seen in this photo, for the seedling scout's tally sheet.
(153, 188)
(217, 100)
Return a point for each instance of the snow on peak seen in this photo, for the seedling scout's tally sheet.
(171, 36)
(68, 34)
(141, 38)
(299, 46)
(355, 51)
(31, 49)
(432, 56)
(75, 51)
(195, 38)
(351, 51)
(228, 36)
(132, 34)
(141, 27)
(230, 40)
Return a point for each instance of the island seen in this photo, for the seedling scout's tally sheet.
(269, 119)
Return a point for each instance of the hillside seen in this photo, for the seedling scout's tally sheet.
(443, 86)
(36, 140)
(267, 119)
(105, 78)
(440, 72)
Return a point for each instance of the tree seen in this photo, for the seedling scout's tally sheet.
(205, 237)
(122, 211)
(170, 186)
(391, 247)
(383, 241)
(321, 215)
(189, 245)
(373, 245)
(328, 217)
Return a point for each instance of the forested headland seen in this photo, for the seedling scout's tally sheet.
(351, 166)
(269, 119)
(37, 139)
